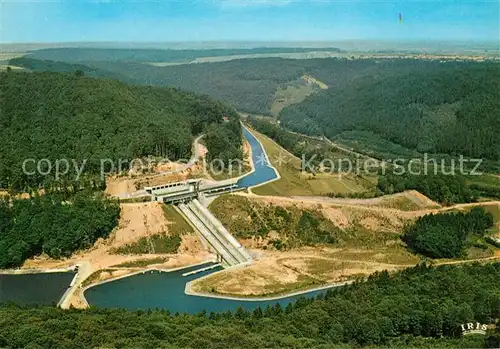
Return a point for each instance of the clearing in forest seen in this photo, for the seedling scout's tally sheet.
(295, 92)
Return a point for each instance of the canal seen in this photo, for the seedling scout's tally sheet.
(151, 289)
(263, 170)
(166, 290)
(34, 289)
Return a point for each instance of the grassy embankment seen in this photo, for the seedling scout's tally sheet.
(289, 225)
(136, 200)
(141, 263)
(294, 182)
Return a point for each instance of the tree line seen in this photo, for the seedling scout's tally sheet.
(420, 307)
(442, 188)
(295, 227)
(446, 235)
(422, 105)
(445, 189)
(68, 54)
(313, 151)
(249, 85)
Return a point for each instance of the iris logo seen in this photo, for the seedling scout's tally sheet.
(471, 328)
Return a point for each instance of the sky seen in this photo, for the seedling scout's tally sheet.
(246, 20)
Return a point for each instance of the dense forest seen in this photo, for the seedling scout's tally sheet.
(224, 143)
(95, 123)
(36, 65)
(54, 224)
(444, 189)
(421, 105)
(445, 235)
(293, 227)
(247, 84)
(432, 107)
(419, 307)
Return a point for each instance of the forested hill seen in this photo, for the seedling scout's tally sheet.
(249, 85)
(424, 105)
(68, 116)
(450, 107)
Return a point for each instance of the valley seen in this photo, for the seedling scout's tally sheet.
(319, 229)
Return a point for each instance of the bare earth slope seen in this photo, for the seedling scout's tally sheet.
(370, 241)
(136, 221)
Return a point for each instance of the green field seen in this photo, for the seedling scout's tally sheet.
(294, 182)
(479, 246)
(494, 209)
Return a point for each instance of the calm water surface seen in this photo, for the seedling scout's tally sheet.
(263, 171)
(30, 289)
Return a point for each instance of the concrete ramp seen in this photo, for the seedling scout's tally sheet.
(241, 253)
(227, 258)
(225, 245)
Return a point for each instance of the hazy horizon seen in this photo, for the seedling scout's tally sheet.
(108, 21)
(344, 45)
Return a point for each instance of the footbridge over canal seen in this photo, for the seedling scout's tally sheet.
(185, 191)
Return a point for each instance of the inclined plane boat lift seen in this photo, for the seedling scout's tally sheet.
(186, 195)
